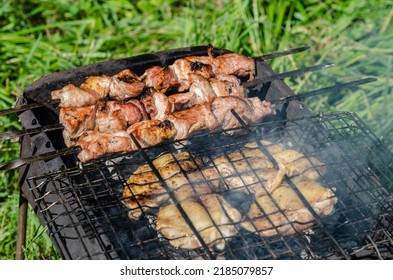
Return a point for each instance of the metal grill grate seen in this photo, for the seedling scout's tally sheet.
(95, 222)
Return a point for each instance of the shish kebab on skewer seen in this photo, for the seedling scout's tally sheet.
(208, 105)
(220, 80)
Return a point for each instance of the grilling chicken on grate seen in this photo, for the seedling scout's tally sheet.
(145, 191)
(213, 218)
(282, 211)
(247, 170)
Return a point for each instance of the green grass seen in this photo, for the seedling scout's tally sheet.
(41, 37)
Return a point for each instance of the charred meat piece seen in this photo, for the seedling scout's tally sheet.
(282, 211)
(126, 84)
(213, 218)
(121, 86)
(104, 116)
(227, 85)
(183, 68)
(95, 144)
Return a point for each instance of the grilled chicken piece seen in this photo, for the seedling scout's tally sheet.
(76, 121)
(73, 96)
(151, 132)
(123, 85)
(283, 212)
(95, 144)
(297, 165)
(145, 191)
(250, 110)
(114, 115)
(214, 220)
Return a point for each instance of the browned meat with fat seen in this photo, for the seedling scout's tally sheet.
(73, 96)
(234, 64)
(160, 78)
(115, 115)
(95, 144)
(76, 120)
(123, 85)
(213, 218)
(158, 105)
(227, 85)
(198, 117)
(183, 68)
(152, 132)
(250, 110)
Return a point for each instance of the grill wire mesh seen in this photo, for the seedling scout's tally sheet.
(358, 168)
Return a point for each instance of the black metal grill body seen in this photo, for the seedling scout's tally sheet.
(86, 219)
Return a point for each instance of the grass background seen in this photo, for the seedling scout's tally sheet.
(41, 37)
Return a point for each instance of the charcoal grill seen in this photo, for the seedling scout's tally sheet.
(81, 206)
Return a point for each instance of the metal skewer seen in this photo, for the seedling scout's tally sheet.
(320, 91)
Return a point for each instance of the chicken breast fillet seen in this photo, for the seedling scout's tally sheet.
(283, 212)
(214, 219)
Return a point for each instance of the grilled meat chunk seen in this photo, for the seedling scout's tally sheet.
(73, 96)
(95, 144)
(158, 105)
(145, 191)
(213, 219)
(160, 79)
(114, 115)
(234, 64)
(121, 86)
(183, 68)
(226, 85)
(283, 212)
(151, 132)
(250, 110)
(76, 120)
(197, 118)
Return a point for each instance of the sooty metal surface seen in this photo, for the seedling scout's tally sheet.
(83, 208)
